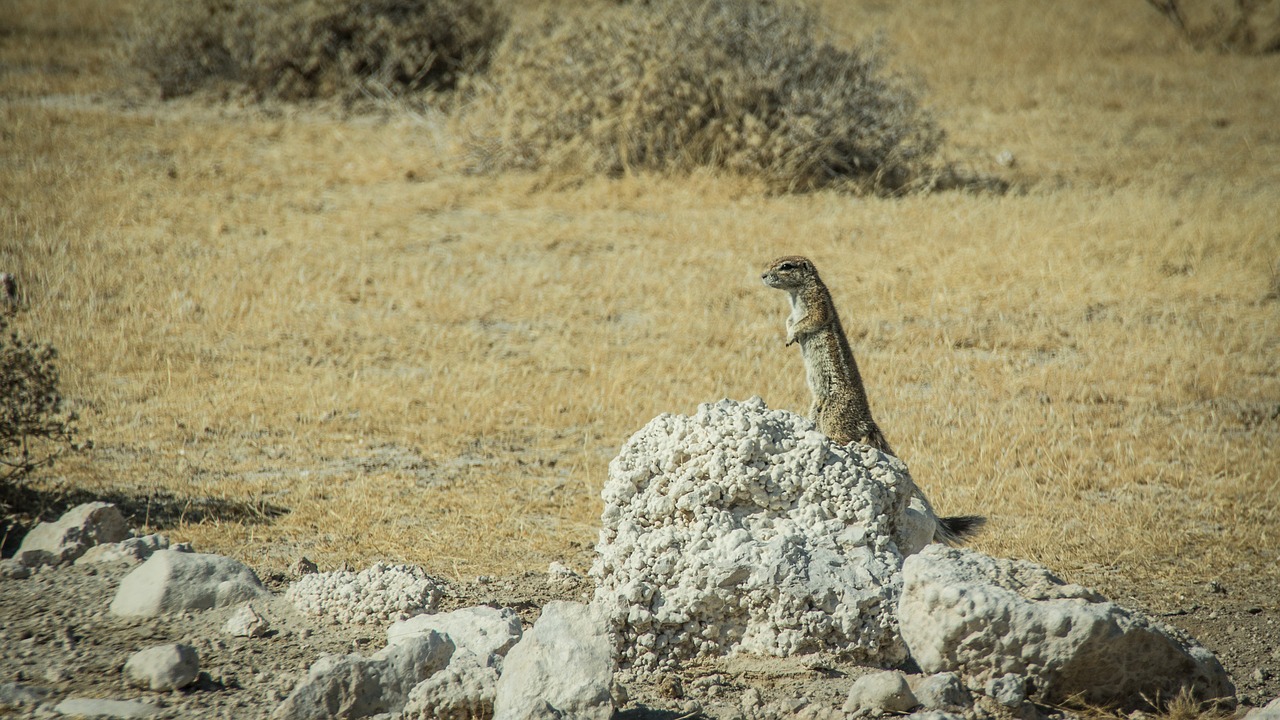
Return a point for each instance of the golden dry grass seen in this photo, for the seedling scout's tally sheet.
(285, 308)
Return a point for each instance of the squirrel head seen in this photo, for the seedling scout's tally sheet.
(790, 272)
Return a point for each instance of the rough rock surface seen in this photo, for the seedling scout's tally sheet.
(66, 539)
(132, 550)
(1008, 690)
(942, 691)
(246, 622)
(354, 686)
(377, 594)
(163, 667)
(744, 528)
(880, 692)
(486, 632)
(464, 690)
(170, 581)
(986, 617)
(561, 668)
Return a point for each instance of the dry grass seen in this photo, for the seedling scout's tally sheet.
(289, 332)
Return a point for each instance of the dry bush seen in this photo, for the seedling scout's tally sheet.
(743, 85)
(1244, 26)
(33, 427)
(293, 49)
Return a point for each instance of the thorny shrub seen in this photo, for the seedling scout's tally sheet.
(297, 49)
(1240, 26)
(34, 430)
(742, 85)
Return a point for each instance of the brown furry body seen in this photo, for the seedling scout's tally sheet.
(839, 407)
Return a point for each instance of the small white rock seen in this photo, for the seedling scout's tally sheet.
(1008, 690)
(943, 691)
(880, 692)
(163, 667)
(246, 622)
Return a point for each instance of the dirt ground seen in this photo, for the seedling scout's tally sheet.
(58, 639)
(296, 330)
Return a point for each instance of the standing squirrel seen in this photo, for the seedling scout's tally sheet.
(840, 408)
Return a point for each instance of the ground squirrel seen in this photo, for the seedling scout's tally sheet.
(840, 408)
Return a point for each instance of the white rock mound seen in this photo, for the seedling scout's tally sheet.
(745, 529)
(380, 593)
(989, 618)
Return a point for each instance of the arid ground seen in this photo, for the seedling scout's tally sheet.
(299, 329)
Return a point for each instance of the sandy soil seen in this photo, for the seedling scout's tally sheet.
(58, 638)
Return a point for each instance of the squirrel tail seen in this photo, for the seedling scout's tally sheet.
(957, 529)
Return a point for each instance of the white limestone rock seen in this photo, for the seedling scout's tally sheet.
(354, 686)
(131, 550)
(380, 593)
(464, 690)
(561, 668)
(246, 622)
(742, 528)
(963, 611)
(163, 667)
(1008, 690)
(880, 692)
(170, 581)
(100, 708)
(66, 539)
(486, 632)
(942, 691)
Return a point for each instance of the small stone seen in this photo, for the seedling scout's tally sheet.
(1009, 690)
(751, 698)
(163, 667)
(559, 571)
(880, 692)
(246, 622)
(943, 691)
(303, 567)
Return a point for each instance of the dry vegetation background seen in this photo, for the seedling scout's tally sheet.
(292, 329)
